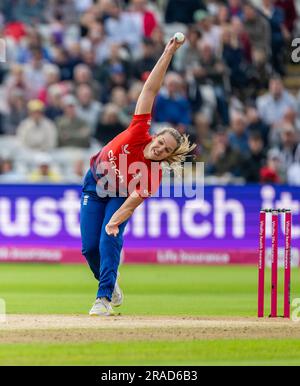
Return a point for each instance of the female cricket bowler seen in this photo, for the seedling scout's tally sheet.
(107, 202)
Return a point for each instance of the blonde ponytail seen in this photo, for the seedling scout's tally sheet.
(175, 160)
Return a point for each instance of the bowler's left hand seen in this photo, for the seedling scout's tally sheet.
(112, 230)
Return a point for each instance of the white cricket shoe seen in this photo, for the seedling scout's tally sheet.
(117, 296)
(101, 307)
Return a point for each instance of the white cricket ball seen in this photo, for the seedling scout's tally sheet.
(179, 37)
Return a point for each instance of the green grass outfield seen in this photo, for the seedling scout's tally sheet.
(225, 291)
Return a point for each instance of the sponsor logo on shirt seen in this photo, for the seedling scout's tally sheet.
(113, 165)
(149, 122)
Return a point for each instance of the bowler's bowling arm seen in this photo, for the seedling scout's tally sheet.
(155, 79)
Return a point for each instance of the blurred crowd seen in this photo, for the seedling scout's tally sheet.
(75, 68)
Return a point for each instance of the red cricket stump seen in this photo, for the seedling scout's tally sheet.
(287, 263)
(261, 263)
(274, 264)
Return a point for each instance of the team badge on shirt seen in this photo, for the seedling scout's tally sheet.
(124, 149)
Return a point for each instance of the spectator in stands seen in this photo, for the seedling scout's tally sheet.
(271, 172)
(290, 13)
(210, 33)
(186, 58)
(235, 8)
(30, 11)
(181, 11)
(124, 28)
(144, 65)
(53, 109)
(72, 130)
(158, 38)
(172, 105)
(89, 109)
(31, 42)
(97, 41)
(17, 112)
(44, 170)
(37, 132)
(62, 60)
(203, 138)
(292, 118)
(148, 18)
(223, 16)
(259, 32)
(52, 75)
(255, 160)
(35, 73)
(114, 72)
(133, 94)
(210, 72)
(242, 37)
(275, 17)
(289, 148)
(110, 125)
(120, 98)
(235, 59)
(224, 160)
(255, 123)
(272, 106)
(289, 121)
(238, 136)
(8, 172)
(83, 75)
(15, 81)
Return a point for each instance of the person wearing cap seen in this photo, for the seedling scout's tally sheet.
(37, 132)
(72, 130)
(122, 175)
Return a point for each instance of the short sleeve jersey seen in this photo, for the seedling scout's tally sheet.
(121, 167)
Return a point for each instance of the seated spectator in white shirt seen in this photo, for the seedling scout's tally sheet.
(35, 73)
(37, 132)
(290, 147)
(211, 33)
(273, 105)
(88, 109)
(124, 28)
